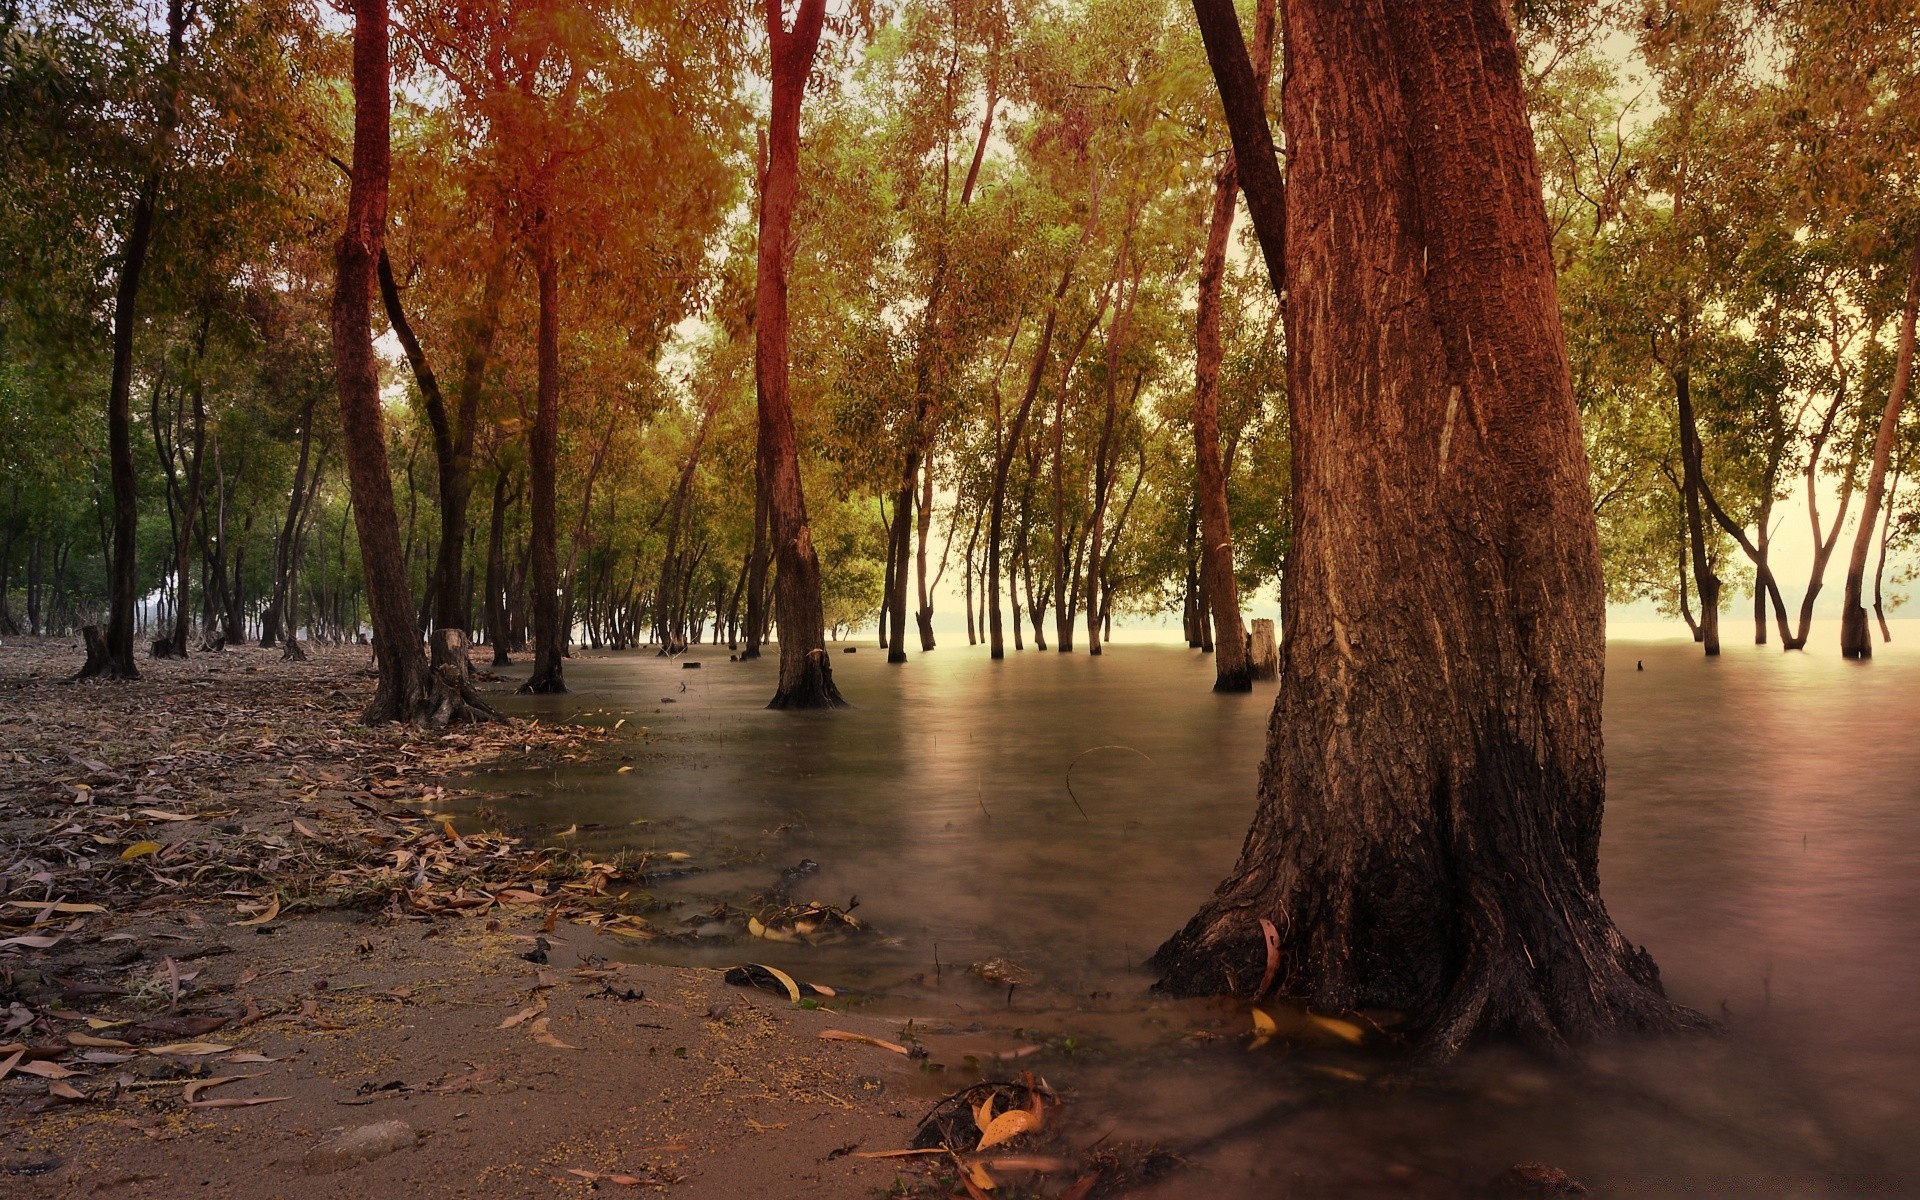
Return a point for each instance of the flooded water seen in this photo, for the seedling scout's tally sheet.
(1761, 840)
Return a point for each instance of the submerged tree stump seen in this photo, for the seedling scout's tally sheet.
(451, 697)
(1263, 654)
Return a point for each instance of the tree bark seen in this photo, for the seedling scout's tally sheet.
(757, 567)
(1243, 95)
(806, 672)
(1855, 641)
(396, 638)
(1428, 832)
(542, 453)
(190, 505)
(1231, 671)
(496, 604)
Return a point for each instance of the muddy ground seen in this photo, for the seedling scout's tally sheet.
(234, 929)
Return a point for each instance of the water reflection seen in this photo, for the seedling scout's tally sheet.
(1760, 840)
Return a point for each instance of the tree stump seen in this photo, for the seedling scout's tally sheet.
(1263, 655)
(451, 697)
(99, 659)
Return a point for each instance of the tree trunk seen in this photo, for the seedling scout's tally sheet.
(190, 507)
(806, 672)
(1693, 482)
(1428, 832)
(122, 582)
(1880, 564)
(757, 567)
(396, 639)
(1823, 541)
(542, 453)
(1855, 641)
(923, 614)
(1231, 673)
(496, 605)
(1004, 463)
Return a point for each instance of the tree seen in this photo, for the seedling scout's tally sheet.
(407, 689)
(114, 657)
(1231, 670)
(1855, 641)
(1428, 832)
(806, 673)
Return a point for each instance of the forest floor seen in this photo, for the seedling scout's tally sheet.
(237, 946)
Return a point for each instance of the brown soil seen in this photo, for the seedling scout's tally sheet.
(303, 907)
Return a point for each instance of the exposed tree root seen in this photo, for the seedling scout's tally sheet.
(814, 689)
(1549, 984)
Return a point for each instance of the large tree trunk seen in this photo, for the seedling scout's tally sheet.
(1230, 669)
(1855, 641)
(549, 640)
(806, 672)
(1428, 832)
(396, 638)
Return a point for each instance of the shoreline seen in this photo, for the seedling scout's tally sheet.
(250, 888)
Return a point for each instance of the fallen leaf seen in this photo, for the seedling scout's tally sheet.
(87, 1039)
(525, 1014)
(46, 1070)
(33, 941)
(786, 981)
(57, 907)
(7, 1067)
(139, 850)
(248, 1056)
(898, 1153)
(978, 1182)
(301, 827)
(1345, 1030)
(624, 770)
(190, 1048)
(201, 1085)
(159, 814)
(614, 1177)
(842, 1035)
(543, 1034)
(1007, 1126)
(233, 1102)
(1272, 937)
(65, 1091)
(273, 910)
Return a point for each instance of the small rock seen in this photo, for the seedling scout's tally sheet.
(352, 1147)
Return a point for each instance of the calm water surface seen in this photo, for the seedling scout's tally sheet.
(1761, 840)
